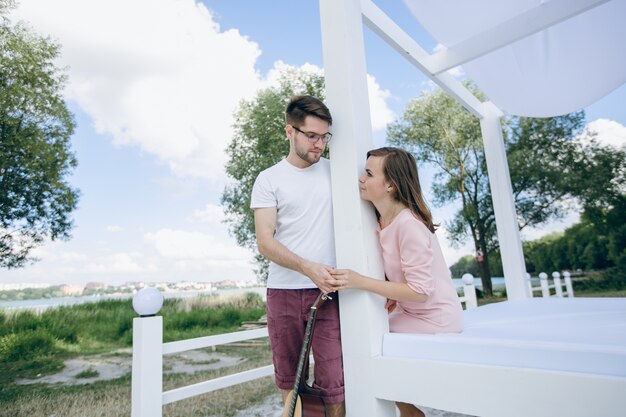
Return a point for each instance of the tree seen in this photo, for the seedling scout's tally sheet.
(544, 162)
(35, 156)
(259, 142)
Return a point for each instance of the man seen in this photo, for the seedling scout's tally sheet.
(293, 218)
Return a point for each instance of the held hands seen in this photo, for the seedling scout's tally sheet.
(345, 279)
(320, 275)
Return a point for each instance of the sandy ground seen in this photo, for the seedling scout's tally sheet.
(272, 407)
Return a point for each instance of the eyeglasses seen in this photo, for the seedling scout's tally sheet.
(314, 137)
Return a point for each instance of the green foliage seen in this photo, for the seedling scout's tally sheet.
(35, 156)
(597, 242)
(27, 345)
(549, 169)
(31, 293)
(259, 142)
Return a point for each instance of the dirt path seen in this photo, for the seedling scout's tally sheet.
(89, 369)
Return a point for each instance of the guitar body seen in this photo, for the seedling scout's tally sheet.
(307, 405)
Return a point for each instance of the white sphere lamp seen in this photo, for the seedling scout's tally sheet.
(147, 301)
(543, 275)
(468, 279)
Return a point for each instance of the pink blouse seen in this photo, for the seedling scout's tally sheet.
(411, 254)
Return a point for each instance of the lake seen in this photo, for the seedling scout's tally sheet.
(44, 303)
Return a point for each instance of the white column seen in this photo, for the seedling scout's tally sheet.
(530, 285)
(147, 376)
(363, 317)
(558, 286)
(545, 288)
(469, 291)
(503, 204)
(568, 284)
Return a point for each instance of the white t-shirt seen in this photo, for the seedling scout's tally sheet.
(304, 217)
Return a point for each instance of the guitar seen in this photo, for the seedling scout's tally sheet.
(303, 400)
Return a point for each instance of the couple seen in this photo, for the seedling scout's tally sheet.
(294, 228)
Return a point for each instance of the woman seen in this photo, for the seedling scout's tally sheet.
(421, 297)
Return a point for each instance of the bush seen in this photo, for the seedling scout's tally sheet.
(26, 346)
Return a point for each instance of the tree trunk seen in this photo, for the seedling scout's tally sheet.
(485, 274)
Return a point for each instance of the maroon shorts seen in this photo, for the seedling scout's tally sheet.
(287, 315)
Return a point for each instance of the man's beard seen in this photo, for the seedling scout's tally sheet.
(305, 156)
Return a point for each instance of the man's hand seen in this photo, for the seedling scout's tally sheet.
(320, 275)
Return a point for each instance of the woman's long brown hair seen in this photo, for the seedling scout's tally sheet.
(400, 169)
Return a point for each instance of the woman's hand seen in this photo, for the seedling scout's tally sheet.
(390, 305)
(345, 279)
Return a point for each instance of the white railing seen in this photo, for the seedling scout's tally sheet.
(148, 397)
(469, 292)
(545, 287)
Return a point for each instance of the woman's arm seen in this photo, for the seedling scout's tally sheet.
(400, 291)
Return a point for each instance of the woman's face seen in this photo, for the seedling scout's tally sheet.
(372, 184)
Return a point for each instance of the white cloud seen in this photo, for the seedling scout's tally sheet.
(117, 263)
(156, 75)
(609, 132)
(114, 228)
(191, 245)
(211, 214)
(380, 112)
(161, 75)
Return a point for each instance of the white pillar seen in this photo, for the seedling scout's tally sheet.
(545, 288)
(557, 284)
(530, 285)
(147, 370)
(355, 236)
(568, 284)
(503, 204)
(469, 291)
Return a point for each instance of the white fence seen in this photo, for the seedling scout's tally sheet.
(545, 287)
(148, 397)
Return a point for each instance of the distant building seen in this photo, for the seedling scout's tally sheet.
(96, 286)
(71, 289)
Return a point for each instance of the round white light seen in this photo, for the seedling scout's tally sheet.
(467, 279)
(566, 274)
(543, 275)
(148, 301)
(555, 274)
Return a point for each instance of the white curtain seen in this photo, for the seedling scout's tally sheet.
(556, 71)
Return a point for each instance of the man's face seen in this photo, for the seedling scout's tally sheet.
(309, 151)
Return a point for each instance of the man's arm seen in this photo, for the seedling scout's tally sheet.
(272, 249)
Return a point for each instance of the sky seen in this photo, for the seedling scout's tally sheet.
(153, 85)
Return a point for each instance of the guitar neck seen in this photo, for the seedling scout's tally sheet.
(304, 352)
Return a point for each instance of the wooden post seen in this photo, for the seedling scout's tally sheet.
(147, 376)
(469, 291)
(568, 284)
(545, 289)
(557, 284)
(355, 223)
(503, 204)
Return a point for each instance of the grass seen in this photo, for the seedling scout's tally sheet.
(87, 373)
(32, 345)
(101, 329)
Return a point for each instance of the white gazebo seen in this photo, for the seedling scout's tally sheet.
(531, 58)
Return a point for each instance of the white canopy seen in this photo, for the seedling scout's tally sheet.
(554, 71)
